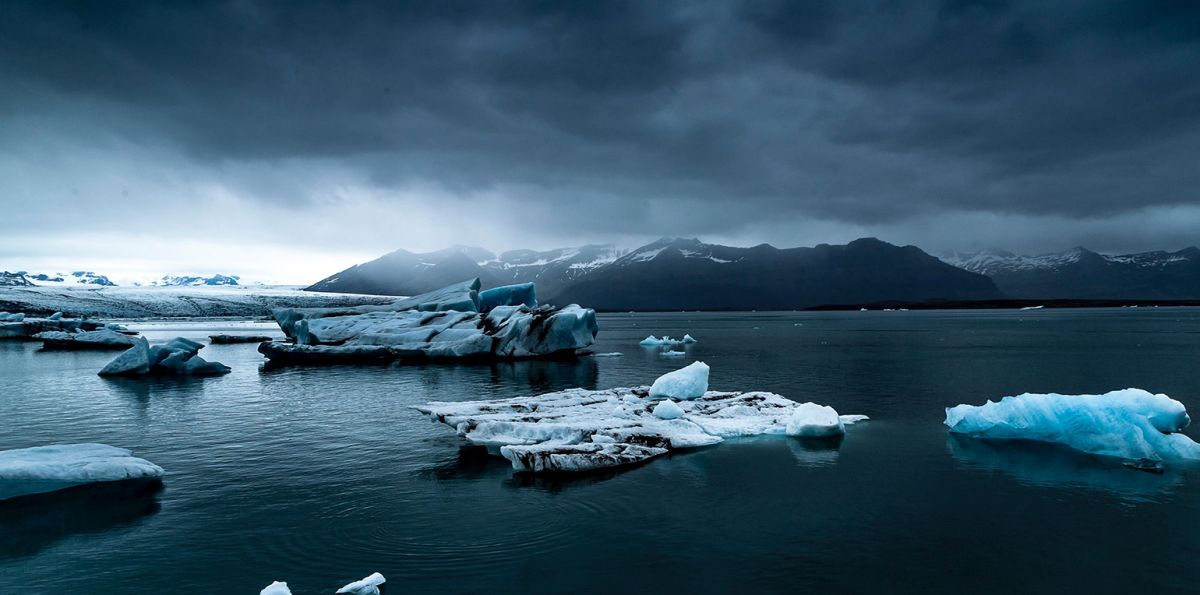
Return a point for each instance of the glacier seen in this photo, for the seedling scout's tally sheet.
(578, 430)
(42, 469)
(451, 323)
(177, 356)
(1133, 425)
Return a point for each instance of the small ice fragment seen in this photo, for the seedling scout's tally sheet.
(667, 409)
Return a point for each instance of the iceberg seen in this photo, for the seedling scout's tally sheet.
(1133, 425)
(582, 430)
(21, 327)
(177, 356)
(367, 586)
(42, 469)
(276, 588)
(686, 383)
(425, 327)
(810, 420)
(100, 339)
(665, 341)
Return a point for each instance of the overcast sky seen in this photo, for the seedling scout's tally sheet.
(284, 141)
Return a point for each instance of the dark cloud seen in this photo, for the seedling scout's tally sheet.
(682, 118)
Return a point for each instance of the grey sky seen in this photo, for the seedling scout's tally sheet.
(285, 140)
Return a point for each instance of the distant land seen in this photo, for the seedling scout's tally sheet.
(682, 274)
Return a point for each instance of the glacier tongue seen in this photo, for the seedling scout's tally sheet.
(581, 430)
(1131, 424)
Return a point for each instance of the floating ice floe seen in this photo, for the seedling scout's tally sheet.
(609, 354)
(1134, 425)
(1032, 307)
(367, 586)
(99, 339)
(581, 430)
(665, 341)
(672, 353)
(231, 339)
(276, 588)
(372, 585)
(41, 469)
(453, 322)
(177, 356)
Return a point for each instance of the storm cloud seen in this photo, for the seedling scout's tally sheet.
(343, 129)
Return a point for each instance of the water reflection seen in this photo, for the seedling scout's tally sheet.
(31, 523)
(1050, 465)
(815, 452)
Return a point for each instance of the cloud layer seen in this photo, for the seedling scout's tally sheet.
(350, 128)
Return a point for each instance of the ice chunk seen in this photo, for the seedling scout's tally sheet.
(686, 383)
(177, 356)
(566, 458)
(521, 294)
(577, 430)
(1131, 424)
(276, 588)
(366, 586)
(101, 339)
(609, 354)
(665, 341)
(461, 297)
(672, 354)
(55, 316)
(810, 420)
(136, 360)
(667, 410)
(49, 468)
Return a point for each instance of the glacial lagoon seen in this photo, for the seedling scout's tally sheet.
(320, 476)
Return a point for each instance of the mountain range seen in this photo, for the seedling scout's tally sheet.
(1083, 274)
(681, 274)
(86, 279)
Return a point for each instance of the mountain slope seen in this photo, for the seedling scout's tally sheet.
(406, 273)
(1081, 273)
(681, 274)
(674, 274)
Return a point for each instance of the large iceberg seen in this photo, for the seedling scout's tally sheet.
(1133, 425)
(177, 356)
(43, 469)
(581, 430)
(453, 322)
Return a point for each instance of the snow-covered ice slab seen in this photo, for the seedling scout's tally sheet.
(433, 331)
(99, 339)
(1132, 424)
(582, 430)
(177, 356)
(41, 469)
(461, 297)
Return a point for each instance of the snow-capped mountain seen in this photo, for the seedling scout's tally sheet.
(674, 273)
(407, 273)
(1082, 273)
(196, 280)
(73, 279)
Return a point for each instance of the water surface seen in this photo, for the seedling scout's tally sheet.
(320, 476)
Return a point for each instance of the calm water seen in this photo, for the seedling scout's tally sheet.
(322, 476)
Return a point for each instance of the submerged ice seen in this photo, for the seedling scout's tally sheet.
(580, 430)
(1132, 424)
(42, 469)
